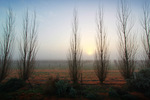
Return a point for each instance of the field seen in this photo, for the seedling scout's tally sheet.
(46, 69)
(89, 77)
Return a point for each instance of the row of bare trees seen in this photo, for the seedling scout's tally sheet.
(127, 41)
(7, 45)
(28, 46)
(101, 54)
(101, 61)
(146, 33)
(127, 44)
(75, 52)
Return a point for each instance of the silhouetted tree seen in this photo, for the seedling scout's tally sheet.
(101, 54)
(6, 45)
(75, 53)
(127, 45)
(28, 47)
(146, 33)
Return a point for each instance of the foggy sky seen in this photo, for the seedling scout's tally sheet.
(55, 19)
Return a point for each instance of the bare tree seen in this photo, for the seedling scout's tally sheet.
(127, 45)
(146, 34)
(75, 53)
(6, 45)
(101, 54)
(28, 47)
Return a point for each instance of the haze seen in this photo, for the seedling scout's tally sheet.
(55, 19)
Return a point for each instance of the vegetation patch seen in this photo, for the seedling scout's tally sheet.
(142, 82)
(12, 85)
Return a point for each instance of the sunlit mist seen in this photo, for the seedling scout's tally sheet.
(55, 17)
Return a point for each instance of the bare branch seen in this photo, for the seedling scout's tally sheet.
(28, 47)
(6, 45)
(146, 33)
(75, 53)
(127, 41)
(101, 54)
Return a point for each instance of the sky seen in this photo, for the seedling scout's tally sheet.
(55, 17)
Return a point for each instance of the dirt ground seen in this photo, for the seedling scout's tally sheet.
(114, 78)
(88, 76)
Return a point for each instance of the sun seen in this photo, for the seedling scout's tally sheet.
(90, 51)
(89, 48)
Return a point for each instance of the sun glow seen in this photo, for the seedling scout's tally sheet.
(90, 51)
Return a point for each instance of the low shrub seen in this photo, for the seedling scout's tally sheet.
(144, 73)
(142, 82)
(72, 92)
(112, 93)
(90, 92)
(147, 94)
(12, 85)
(128, 97)
(76, 86)
(50, 88)
(61, 88)
(7, 96)
(121, 91)
(91, 95)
